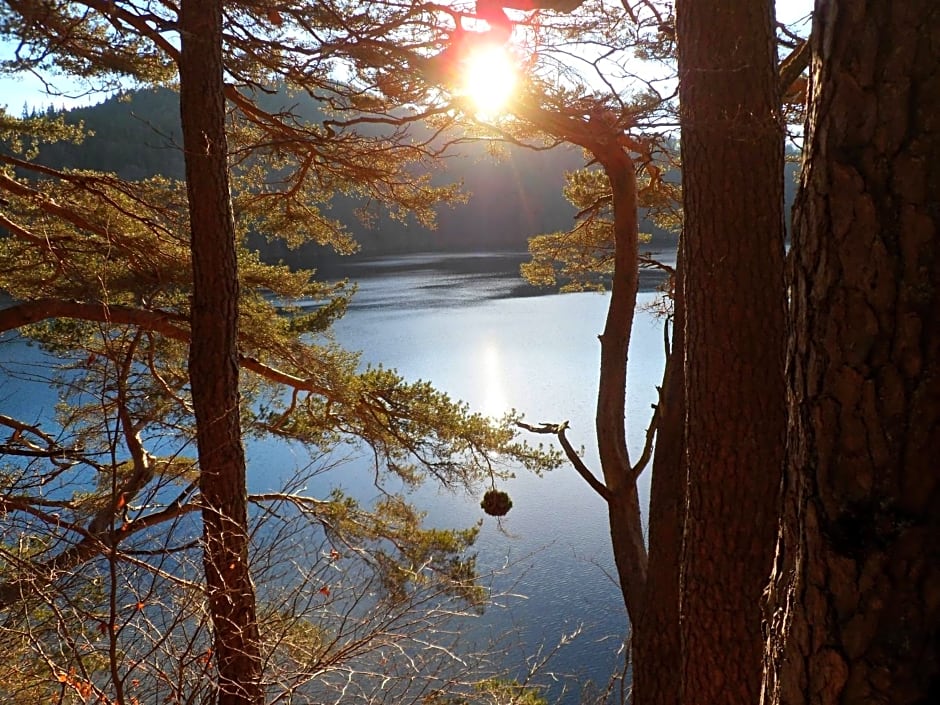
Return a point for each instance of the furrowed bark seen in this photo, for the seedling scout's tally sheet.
(213, 359)
(732, 178)
(853, 609)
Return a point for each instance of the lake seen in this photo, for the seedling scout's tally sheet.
(471, 326)
(468, 324)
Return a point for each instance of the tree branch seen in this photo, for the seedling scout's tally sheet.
(793, 66)
(162, 322)
(88, 547)
(648, 445)
(572, 455)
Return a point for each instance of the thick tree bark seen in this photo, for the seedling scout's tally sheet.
(213, 359)
(656, 642)
(732, 152)
(854, 608)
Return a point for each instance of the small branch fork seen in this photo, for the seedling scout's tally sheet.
(559, 429)
(572, 455)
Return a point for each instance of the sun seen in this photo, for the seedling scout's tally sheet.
(489, 78)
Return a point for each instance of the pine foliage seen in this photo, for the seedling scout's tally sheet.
(100, 577)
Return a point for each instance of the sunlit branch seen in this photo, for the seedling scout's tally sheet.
(141, 23)
(19, 428)
(49, 205)
(591, 210)
(90, 183)
(794, 65)
(19, 444)
(22, 233)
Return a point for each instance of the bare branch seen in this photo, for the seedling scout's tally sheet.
(794, 65)
(88, 547)
(572, 455)
(648, 445)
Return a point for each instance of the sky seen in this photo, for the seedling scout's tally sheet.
(26, 90)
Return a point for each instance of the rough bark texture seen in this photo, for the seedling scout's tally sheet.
(655, 641)
(732, 152)
(213, 359)
(854, 608)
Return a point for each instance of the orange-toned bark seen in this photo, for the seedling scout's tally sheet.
(213, 358)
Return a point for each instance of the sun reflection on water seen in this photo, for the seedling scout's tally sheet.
(493, 387)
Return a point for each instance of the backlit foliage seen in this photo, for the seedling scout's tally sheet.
(101, 582)
(582, 257)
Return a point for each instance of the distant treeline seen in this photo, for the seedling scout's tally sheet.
(137, 135)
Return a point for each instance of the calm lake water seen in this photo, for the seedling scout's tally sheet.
(468, 324)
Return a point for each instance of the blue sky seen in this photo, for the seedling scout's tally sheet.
(29, 90)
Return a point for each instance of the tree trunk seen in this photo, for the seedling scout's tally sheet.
(626, 528)
(213, 359)
(854, 608)
(655, 642)
(732, 176)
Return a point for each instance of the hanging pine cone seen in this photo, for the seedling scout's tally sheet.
(496, 503)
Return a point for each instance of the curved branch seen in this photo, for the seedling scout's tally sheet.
(29, 312)
(648, 444)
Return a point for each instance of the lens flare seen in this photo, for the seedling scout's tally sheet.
(489, 79)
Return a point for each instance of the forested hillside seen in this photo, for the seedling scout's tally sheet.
(511, 198)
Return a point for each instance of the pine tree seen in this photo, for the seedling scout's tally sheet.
(110, 276)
